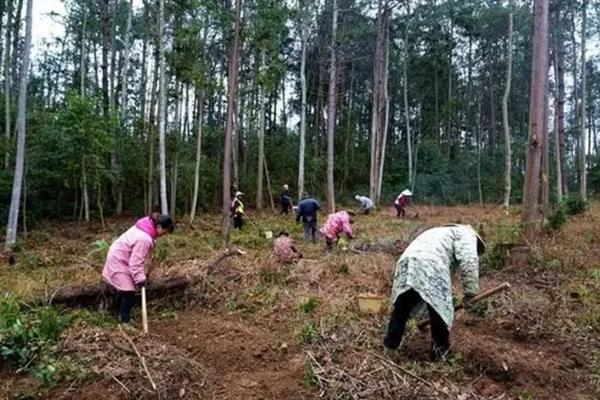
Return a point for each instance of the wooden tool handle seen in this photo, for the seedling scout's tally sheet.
(424, 324)
(144, 311)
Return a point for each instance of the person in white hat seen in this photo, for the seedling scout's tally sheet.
(401, 202)
(285, 200)
(366, 204)
(424, 277)
(237, 210)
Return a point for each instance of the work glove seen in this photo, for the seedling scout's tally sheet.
(140, 285)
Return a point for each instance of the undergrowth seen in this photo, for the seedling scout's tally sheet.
(28, 340)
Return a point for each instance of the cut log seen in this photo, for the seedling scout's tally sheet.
(101, 293)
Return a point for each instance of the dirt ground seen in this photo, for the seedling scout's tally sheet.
(257, 330)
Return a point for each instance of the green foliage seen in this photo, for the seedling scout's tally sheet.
(494, 258)
(28, 338)
(308, 333)
(310, 305)
(557, 219)
(575, 204)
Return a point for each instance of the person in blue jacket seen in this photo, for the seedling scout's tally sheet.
(307, 211)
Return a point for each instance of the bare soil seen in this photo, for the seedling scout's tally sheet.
(241, 333)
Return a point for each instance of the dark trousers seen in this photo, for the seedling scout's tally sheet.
(310, 229)
(285, 208)
(399, 210)
(124, 303)
(238, 222)
(405, 304)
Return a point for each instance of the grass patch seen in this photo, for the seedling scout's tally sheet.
(308, 333)
(310, 305)
(28, 340)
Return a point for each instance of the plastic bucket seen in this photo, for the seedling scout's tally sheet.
(370, 303)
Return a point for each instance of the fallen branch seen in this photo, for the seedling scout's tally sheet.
(93, 295)
(139, 358)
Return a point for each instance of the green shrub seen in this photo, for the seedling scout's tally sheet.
(575, 204)
(495, 258)
(557, 219)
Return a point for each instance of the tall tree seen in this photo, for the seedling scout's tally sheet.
(15, 200)
(380, 109)
(331, 113)
(505, 123)
(232, 89)
(539, 78)
(583, 120)
(7, 85)
(261, 135)
(409, 150)
(303, 45)
(162, 115)
(559, 107)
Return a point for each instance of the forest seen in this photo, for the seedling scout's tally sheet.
(486, 110)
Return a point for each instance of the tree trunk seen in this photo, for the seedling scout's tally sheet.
(162, 111)
(83, 53)
(385, 101)
(125, 69)
(582, 156)
(105, 43)
(16, 38)
(545, 161)
(331, 104)
(559, 73)
(7, 85)
(539, 77)
(231, 95)
(15, 201)
(405, 98)
(302, 149)
(198, 154)
(261, 136)
(507, 147)
(84, 190)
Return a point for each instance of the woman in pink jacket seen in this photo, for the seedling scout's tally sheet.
(337, 224)
(125, 267)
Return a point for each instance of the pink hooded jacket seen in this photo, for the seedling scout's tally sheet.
(337, 224)
(127, 257)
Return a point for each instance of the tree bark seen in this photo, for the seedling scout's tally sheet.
(507, 147)
(231, 95)
(15, 202)
(302, 147)
(125, 65)
(151, 134)
(405, 98)
(331, 105)
(559, 73)
(198, 154)
(83, 53)
(105, 43)
(164, 206)
(583, 120)
(261, 136)
(539, 77)
(7, 85)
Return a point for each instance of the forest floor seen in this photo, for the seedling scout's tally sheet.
(252, 329)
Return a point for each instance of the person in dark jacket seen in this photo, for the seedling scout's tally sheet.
(307, 211)
(286, 200)
(237, 211)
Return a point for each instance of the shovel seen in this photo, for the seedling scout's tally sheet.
(424, 324)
